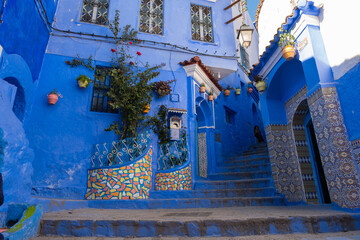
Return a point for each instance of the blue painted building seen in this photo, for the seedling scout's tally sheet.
(54, 151)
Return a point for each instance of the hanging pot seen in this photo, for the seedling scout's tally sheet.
(211, 98)
(147, 108)
(250, 90)
(202, 89)
(227, 92)
(52, 98)
(288, 52)
(82, 84)
(261, 86)
(237, 91)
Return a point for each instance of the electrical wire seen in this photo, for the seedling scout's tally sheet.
(183, 49)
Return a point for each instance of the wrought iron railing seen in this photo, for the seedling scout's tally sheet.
(119, 152)
(173, 154)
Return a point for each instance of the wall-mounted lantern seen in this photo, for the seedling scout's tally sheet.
(245, 35)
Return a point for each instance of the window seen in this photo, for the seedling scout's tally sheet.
(229, 116)
(100, 102)
(151, 16)
(201, 23)
(95, 11)
(244, 57)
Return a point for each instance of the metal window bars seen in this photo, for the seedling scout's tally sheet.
(119, 152)
(151, 16)
(173, 154)
(95, 11)
(201, 23)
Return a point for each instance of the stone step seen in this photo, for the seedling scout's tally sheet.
(245, 168)
(246, 162)
(215, 193)
(224, 222)
(239, 175)
(233, 184)
(166, 203)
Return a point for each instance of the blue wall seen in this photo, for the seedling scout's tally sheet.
(349, 99)
(23, 32)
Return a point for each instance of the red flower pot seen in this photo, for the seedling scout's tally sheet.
(250, 90)
(52, 98)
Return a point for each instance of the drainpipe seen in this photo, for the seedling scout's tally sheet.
(2, 11)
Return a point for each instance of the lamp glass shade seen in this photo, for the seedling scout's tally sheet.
(245, 35)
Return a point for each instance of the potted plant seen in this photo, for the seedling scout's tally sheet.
(249, 88)
(162, 88)
(237, 91)
(287, 42)
(211, 96)
(53, 97)
(202, 88)
(83, 81)
(260, 83)
(227, 91)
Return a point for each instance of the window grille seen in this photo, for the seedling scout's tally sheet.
(201, 23)
(244, 57)
(100, 102)
(95, 11)
(151, 16)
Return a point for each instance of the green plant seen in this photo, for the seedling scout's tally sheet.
(84, 79)
(158, 124)
(285, 38)
(203, 84)
(130, 88)
(211, 93)
(56, 93)
(162, 88)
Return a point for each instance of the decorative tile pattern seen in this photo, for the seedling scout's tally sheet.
(356, 150)
(127, 182)
(284, 164)
(335, 149)
(203, 160)
(172, 181)
(292, 104)
(201, 23)
(151, 16)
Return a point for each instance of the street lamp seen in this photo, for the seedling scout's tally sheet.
(245, 32)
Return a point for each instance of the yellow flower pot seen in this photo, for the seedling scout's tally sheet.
(288, 52)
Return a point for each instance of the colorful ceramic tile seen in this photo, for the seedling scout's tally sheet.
(177, 180)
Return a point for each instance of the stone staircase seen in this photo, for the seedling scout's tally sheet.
(214, 208)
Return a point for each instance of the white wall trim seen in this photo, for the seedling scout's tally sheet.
(200, 76)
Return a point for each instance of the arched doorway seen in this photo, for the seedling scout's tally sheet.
(19, 100)
(312, 173)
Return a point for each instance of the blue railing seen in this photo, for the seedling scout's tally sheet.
(173, 154)
(119, 152)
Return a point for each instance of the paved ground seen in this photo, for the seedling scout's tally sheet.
(325, 236)
(238, 213)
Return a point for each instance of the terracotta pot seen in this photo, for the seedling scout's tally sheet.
(82, 84)
(146, 109)
(202, 89)
(238, 91)
(211, 97)
(226, 92)
(250, 90)
(261, 86)
(288, 52)
(52, 98)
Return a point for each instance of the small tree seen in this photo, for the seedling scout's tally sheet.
(285, 39)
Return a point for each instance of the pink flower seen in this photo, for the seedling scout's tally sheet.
(113, 50)
(131, 63)
(130, 43)
(138, 53)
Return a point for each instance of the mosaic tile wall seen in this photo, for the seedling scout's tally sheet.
(172, 181)
(132, 181)
(284, 164)
(203, 160)
(356, 150)
(335, 149)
